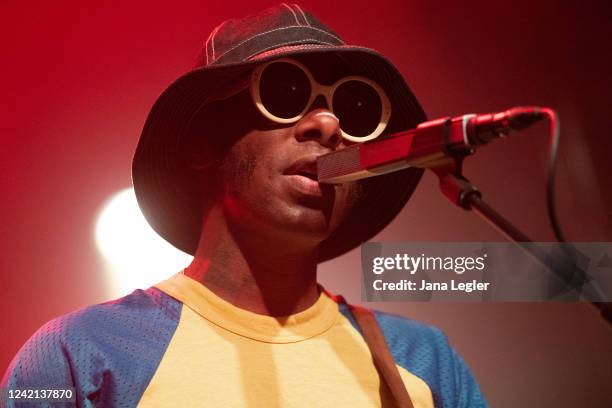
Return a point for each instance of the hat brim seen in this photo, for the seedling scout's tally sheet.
(165, 188)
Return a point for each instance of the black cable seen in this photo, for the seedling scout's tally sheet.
(605, 308)
(553, 117)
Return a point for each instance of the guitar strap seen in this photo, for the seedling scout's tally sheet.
(383, 360)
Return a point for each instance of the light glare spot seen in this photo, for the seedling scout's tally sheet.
(134, 255)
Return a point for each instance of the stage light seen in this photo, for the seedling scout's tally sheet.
(134, 255)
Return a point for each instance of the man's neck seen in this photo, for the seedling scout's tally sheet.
(253, 273)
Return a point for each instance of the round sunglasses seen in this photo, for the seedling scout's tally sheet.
(284, 89)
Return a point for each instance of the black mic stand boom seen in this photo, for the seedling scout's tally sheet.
(461, 192)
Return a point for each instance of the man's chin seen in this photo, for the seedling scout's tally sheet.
(306, 224)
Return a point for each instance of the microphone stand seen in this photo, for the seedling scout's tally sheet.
(461, 192)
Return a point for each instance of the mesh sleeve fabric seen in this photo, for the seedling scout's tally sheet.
(107, 352)
(41, 362)
(425, 352)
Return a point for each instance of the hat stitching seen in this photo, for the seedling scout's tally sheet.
(303, 14)
(277, 46)
(292, 8)
(292, 12)
(211, 40)
(277, 29)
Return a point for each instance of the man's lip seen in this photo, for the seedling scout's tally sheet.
(306, 166)
(302, 176)
(304, 185)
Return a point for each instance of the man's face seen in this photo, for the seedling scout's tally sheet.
(268, 176)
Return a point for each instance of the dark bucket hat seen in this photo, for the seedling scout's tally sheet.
(167, 190)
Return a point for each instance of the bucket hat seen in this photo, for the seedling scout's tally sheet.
(168, 192)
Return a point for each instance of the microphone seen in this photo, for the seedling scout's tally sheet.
(430, 144)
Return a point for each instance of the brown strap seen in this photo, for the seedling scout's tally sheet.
(383, 360)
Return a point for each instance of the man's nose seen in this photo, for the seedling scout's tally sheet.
(319, 125)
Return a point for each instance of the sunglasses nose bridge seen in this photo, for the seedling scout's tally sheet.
(319, 102)
(320, 93)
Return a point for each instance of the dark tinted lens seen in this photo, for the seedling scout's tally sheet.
(358, 107)
(284, 89)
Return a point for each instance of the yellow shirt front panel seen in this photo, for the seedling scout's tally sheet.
(223, 356)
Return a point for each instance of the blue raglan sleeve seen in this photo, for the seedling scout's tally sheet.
(467, 389)
(41, 363)
(425, 351)
(108, 352)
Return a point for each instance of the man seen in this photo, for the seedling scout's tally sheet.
(226, 170)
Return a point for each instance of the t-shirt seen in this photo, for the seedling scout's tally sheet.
(177, 344)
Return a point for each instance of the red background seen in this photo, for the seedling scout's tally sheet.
(78, 81)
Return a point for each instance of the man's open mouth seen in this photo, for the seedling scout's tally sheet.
(303, 176)
(306, 167)
(307, 174)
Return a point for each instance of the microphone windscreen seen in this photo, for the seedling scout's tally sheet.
(340, 166)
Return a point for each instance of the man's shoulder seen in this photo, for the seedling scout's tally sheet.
(403, 334)
(416, 346)
(408, 334)
(105, 327)
(425, 351)
(119, 342)
(133, 312)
